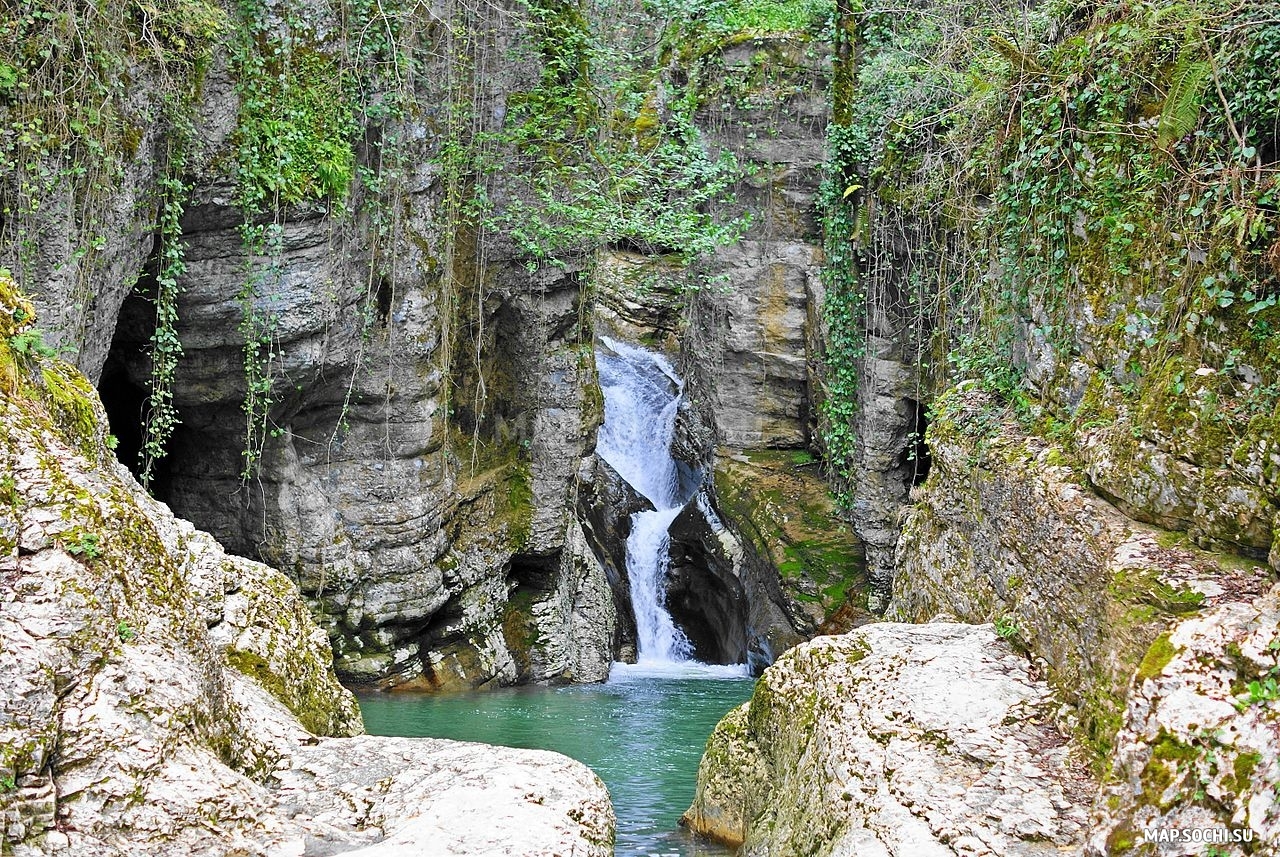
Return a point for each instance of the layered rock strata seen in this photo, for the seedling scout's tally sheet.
(1007, 530)
(164, 697)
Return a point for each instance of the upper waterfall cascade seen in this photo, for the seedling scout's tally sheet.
(642, 394)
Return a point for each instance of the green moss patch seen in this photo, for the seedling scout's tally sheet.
(778, 499)
(1158, 656)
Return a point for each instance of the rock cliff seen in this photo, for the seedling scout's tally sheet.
(412, 391)
(163, 696)
(1007, 530)
(369, 247)
(1047, 395)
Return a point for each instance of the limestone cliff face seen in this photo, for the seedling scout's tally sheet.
(749, 346)
(1185, 443)
(420, 402)
(389, 392)
(1007, 530)
(164, 697)
(744, 329)
(1154, 644)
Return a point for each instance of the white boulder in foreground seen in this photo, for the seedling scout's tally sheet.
(903, 740)
(430, 797)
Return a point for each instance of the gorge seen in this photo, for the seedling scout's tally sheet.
(922, 359)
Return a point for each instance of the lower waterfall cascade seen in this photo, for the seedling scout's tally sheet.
(642, 394)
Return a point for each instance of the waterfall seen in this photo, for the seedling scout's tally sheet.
(641, 396)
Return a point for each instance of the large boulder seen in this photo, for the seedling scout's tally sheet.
(1199, 744)
(906, 740)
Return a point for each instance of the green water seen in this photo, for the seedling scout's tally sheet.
(642, 732)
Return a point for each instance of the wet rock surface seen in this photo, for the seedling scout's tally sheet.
(706, 598)
(783, 510)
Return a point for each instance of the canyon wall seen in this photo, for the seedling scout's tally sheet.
(1052, 255)
(163, 696)
(334, 276)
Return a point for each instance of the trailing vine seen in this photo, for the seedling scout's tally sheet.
(1077, 213)
(1011, 180)
(71, 127)
(263, 246)
(161, 417)
(294, 145)
(842, 304)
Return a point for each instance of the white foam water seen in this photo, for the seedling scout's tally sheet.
(641, 397)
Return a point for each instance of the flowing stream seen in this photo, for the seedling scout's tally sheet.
(644, 730)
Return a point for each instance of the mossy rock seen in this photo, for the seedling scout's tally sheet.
(779, 501)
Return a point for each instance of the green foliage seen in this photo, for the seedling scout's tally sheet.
(1251, 86)
(257, 331)
(1094, 211)
(1259, 692)
(65, 75)
(161, 417)
(1181, 110)
(725, 19)
(989, 362)
(595, 164)
(85, 545)
(843, 299)
(296, 123)
(125, 632)
(773, 16)
(30, 343)
(1007, 628)
(1115, 170)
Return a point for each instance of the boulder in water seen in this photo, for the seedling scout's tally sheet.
(894, 740)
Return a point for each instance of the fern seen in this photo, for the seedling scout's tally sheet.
(1182, 105)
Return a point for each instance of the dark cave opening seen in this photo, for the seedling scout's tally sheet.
(382, 296)
(125, 403)
(915, 458)
(125, 383)
(531, 579)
